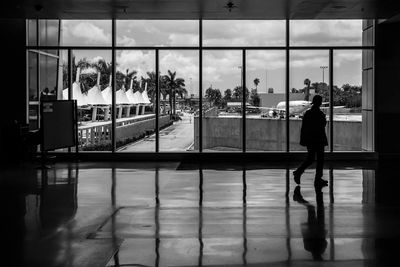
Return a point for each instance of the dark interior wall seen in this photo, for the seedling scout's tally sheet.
(387, 91)
(13, 85)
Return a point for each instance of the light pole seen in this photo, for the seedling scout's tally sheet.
(190, 85)
(323, 72)
(241, 76)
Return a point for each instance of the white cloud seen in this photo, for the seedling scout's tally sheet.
(126, 41)
(222, 67)
(326, 32)
(86, 32)
(137, 60)
(159, 32)
(265, 60)
(345, 56)
(242, 33)
(183, 39)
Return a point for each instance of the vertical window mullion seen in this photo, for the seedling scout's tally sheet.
(200, 124)
(243, 100)
(27, 83)
(38, 88)
(287, 99)
(157, 102)
(331, 99)
(113, 89)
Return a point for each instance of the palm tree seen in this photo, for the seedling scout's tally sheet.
(131, 75)
(174, 86)
(151, 86)
(256, 82)
(105, 70)
(307, 82)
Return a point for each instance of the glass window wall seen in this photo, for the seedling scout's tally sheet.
(244, 33)
(265, 78)
(211, 74)
(90, 88)
(222, 77)
(157, 33)
(86, 33)
(178, 100)
(135, 101)
(326, 33)
(309, 76)
(347, 100)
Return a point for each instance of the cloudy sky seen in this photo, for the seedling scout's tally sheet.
(222, 68)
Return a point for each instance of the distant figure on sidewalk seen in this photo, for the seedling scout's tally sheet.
(313, 231)
(314, 138)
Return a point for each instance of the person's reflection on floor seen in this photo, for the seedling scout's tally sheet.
(313, 231)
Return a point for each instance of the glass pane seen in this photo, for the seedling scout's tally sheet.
(32, 76)
(48, 77)
(347, 100)
(33, 90)
(49, 32)
(91, 75)
(309, 76)
(157, 32)
(135, 98)
(179, 96)
(63, 76)
(61, 92)
(222, 79)
(33, 116)
(326, 32)
(265, 77)
(86, 32)
(244, 32)
(31, 32)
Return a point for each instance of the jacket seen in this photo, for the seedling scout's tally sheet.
(313, 128)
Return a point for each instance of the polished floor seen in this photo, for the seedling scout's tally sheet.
(175, 214)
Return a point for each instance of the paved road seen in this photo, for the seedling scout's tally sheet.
(177, 137)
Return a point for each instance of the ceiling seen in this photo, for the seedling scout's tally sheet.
(195, 9)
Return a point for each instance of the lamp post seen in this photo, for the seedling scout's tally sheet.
(323, 72)
(241, 76)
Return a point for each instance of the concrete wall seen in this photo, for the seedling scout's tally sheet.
(134, 130)
(387, 92)
(264, 134)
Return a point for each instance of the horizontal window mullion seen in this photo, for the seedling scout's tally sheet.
(203, 48)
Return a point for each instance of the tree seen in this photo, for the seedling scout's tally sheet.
(238, 92)
(151, 85)
(213, 96)
(256, 82)
(129, 76)
(174, 86)
(228, 95)
(105, 70)
(255, 98)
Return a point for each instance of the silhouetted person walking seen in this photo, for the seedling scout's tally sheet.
(314, 138)
(313, 231)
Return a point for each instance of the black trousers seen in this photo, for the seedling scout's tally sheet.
(317, 150)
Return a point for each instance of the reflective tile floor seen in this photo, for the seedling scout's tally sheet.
(174, 214)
